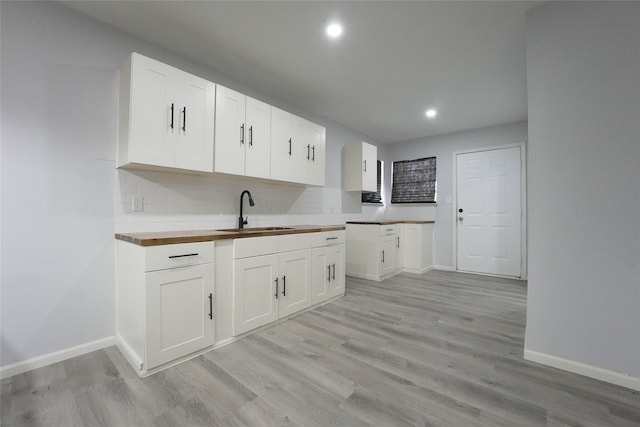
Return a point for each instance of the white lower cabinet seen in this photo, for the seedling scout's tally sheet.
(277, 276)
(165, 301)
(179, 314)
(294, 281)
(387, 254)
(254, 288)
(377, 251)
(417, 245)
(328, 273)
(268, 287)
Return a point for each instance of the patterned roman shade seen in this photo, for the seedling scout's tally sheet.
(414, 181)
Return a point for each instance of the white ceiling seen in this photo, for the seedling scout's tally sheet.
(395, 59)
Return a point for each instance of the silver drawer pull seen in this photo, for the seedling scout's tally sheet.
(332, 238)
(182, 256)
(389, 229)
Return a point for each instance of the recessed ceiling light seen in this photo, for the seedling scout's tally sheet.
(334, 30)
(431, 113)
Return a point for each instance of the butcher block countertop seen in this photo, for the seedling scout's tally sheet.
(389, 222)
(190, 236)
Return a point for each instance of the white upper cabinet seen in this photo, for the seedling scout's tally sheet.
(297, 149)
(258, 146)
(243, 135)
(315, 136)
(360, 164)
(166, 117)
(230, 132)
(286, 153)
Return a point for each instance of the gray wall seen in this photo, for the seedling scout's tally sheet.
(443, 148)
(583, 67)
(59, 79)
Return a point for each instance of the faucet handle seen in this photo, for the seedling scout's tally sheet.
(245, 220)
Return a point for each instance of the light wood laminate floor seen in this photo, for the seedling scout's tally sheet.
(441, 349)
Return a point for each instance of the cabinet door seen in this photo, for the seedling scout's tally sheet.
(321, 275)
(295, 281)
(194, 145)
(230, 131)
(316, 163)
(282, 151)
(258, 145)
(337, 258)
(369, 167)
(400, 244)
(179, 312)
(388, 254)
(254, 301)
(153, 114)
(413, 247)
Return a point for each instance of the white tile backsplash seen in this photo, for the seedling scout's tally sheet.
(189, 202)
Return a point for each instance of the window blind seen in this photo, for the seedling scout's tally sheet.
(414, 181)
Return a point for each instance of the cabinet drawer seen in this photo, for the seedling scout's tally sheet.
(255, 246)
(294, 242)
(388, 229)
(328, 238)
(178, 255)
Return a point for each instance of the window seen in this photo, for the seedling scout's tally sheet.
(414, 181)
(376, 196)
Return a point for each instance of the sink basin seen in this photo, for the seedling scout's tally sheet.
(255, 229)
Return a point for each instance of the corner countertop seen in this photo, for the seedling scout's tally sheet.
(390, 222)
(191, 236)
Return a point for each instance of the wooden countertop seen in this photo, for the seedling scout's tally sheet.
(190, 236)
(389, 222)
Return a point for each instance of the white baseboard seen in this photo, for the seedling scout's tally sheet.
(134, 359)
(583, 369)
(443, 267)
(55, 357)
(365, 276)
(416, 270)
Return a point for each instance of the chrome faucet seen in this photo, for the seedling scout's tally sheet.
(243, 221)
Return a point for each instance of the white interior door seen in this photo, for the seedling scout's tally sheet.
(489, 212)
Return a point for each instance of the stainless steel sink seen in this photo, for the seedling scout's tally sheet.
(254, 229)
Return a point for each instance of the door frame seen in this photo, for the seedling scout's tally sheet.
(523, 204)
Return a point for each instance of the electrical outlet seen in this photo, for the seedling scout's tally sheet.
(137, 204)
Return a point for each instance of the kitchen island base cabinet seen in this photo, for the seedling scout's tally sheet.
(376, 251)
(165, 299)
